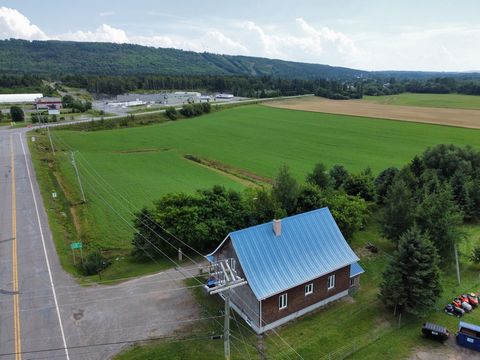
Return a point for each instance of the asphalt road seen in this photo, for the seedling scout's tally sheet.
(44, 313)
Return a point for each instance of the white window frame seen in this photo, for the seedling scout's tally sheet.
(309, 289)
(352, 281)
(283, 301)
(331, 282)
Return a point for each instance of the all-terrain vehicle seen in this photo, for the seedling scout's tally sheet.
(462, 304)
(451, 309)
(473, 299)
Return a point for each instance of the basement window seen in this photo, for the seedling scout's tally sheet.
(282, 301)
(308, 289)
(331, 282)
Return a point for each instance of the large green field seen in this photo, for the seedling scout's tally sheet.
(145, 163)
(456, 101)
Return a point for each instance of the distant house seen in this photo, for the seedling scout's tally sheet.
(48, 103)
(292, 266)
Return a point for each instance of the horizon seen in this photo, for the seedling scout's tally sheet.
(369, 37)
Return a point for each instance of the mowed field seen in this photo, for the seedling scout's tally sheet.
(144, 163)
(454, 101)
(450, 114)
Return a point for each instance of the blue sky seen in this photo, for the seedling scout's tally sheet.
(436, 35)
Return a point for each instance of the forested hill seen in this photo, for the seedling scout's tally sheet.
(57, 58)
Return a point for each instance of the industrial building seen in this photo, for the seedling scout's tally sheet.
(19, 98)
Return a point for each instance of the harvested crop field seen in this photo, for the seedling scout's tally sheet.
(441, 116)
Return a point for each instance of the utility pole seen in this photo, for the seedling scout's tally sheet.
(456, 261)
(226, 328)
(72, 153)
(48, 132)
(51, 142)
(223, 277)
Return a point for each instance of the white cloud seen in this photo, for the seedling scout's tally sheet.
(212, 41)
(104, 33)
(442, 48)
(14, 24)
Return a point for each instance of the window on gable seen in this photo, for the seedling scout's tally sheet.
(331, 282)
(282, 301)
(308, 289)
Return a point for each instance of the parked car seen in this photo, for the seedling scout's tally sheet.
(436, 332)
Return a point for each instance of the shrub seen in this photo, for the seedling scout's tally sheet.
(475, 257)
(94, 263)
(17, 113)
(171, 113)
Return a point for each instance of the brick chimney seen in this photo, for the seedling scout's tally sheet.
(277, 227)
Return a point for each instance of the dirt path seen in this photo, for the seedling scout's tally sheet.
(449, 351)
(441, 116)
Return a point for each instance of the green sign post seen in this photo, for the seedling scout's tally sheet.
(76, 246)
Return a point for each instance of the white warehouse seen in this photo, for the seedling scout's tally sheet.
(19, 98)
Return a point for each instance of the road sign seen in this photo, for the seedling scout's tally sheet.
(76, 245)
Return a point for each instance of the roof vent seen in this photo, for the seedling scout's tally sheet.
(277, 227)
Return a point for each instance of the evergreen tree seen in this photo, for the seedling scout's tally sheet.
(17, 114)
(319, 176)
(383, 182)
(338, 174)
(285, 190)
(439, 216)
(399, 212)
(411, 282)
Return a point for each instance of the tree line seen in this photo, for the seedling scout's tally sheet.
(420, 206)
(423, 205)
(204, 218)
(437, 85)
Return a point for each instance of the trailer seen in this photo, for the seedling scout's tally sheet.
(436, 332)
(468, 336)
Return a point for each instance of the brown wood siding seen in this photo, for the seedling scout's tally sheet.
(297, 299)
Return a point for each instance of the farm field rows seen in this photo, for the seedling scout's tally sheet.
(145, 163)
(468, 118)
(455, 101)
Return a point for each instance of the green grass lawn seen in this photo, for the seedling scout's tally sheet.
(144, 163)
(456, 101)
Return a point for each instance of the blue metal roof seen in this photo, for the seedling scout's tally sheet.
(356, 269)
(469, 326)
(310, 245)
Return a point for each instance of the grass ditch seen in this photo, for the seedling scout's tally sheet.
(69, 219)
(246, 177)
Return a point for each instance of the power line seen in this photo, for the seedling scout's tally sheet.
(106, 344)
(31, 340)
(276, 333)
(159, 236)
(109, 299)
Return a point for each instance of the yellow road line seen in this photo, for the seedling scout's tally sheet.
(16, 300)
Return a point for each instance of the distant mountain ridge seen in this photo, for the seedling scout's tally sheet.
(55, 58)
